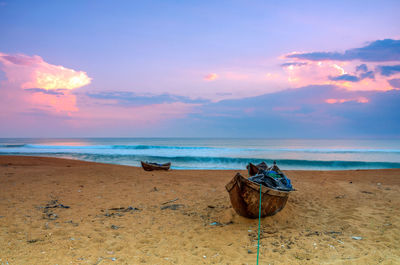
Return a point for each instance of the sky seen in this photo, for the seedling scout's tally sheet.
(293, 69)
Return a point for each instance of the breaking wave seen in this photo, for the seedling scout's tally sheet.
(202, 162)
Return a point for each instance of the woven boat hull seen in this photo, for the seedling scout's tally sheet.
(245, 198)
(152, 166)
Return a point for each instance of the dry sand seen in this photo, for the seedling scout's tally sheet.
(315, 227)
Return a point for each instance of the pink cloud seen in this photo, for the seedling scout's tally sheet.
(378, 84)
(34, 72)
(343, 100)
(303, 73)
(312, 73)
(211, 77)
(29, 77)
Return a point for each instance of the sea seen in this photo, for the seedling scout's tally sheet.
(216, 153)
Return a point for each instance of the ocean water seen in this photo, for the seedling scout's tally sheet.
(216, 153)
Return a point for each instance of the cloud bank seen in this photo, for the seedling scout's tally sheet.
(35, 84)
(360, 69)
(377, 51)
(127, 98)
(312, 111)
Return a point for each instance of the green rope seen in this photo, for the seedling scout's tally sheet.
(259, 224)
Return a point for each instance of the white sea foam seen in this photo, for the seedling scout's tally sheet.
(217, 153)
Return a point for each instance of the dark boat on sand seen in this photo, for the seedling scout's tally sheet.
(155, 166)
(245, 198)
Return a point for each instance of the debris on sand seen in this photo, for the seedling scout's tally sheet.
(48, 209)
(55, 204)
(366, 192)
(31, 241)
(123, 209)
(71, 222)
(118, 211)
(174, 200)
(172, 206)
(50, 216)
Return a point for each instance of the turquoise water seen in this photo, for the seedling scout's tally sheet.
(215, 153)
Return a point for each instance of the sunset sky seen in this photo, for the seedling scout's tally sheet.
(299, 69)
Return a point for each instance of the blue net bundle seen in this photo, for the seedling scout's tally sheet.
(273, 178)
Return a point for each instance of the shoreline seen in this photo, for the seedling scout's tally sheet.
(238, 169)
(199, 226)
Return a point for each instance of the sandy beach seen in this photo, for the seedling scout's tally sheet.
(57, 211)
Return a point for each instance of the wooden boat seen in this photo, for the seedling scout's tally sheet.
(154, 166)
(245, 198)
(253, 169)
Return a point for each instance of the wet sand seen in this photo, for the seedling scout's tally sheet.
(57, 211)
